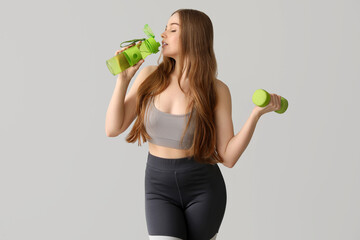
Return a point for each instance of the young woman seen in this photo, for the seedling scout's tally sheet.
(184, 112)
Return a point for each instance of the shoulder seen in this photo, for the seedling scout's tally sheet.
(143, 74)
(147, 70)
(223, 92)
(221, 85)
(150, 68)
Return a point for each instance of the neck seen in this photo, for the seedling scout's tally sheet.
(177, 72)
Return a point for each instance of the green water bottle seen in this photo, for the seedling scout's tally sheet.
(133, 55)
(262, 98)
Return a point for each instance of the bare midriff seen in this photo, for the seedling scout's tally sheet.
(166, 152)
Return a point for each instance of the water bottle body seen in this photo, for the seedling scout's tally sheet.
(132, 55)
(117, 64)
(124, 60)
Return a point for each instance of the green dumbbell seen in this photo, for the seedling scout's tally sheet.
(262, 98)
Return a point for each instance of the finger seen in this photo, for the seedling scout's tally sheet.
(279, 102)
(138, 64)
(273, 99)
(130, 45)
(124, 48)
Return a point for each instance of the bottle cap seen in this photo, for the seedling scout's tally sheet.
(148, 31)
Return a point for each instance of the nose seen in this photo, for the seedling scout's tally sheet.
(163, 35)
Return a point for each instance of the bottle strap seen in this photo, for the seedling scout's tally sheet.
(131, 42)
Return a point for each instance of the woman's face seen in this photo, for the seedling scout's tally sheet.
(171, 36)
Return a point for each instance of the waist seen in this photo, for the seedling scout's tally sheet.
(172, 163)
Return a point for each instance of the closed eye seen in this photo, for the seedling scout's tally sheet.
(171, 31)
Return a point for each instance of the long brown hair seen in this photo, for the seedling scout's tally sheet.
(197, 46)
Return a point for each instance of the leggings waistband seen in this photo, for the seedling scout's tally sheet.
(172, 163)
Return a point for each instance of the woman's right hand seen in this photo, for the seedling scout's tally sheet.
(128, 74)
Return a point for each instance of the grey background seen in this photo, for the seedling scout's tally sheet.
(61, 177)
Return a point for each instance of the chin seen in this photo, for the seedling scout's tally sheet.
(165, 54)
(168, 55)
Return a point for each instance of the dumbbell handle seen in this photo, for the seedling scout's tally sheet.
(262, 98)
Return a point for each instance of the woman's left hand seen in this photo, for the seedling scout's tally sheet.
(274, 105)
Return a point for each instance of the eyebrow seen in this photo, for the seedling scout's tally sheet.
(172, 24)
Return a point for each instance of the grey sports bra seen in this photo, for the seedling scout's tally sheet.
(166, 129)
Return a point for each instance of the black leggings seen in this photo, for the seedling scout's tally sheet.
(183, 198)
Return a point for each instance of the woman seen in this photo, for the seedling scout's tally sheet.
(184, 113)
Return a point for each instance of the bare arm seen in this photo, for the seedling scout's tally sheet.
(122, 108)
(116, 109)
(231, 147)
(240, 141)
